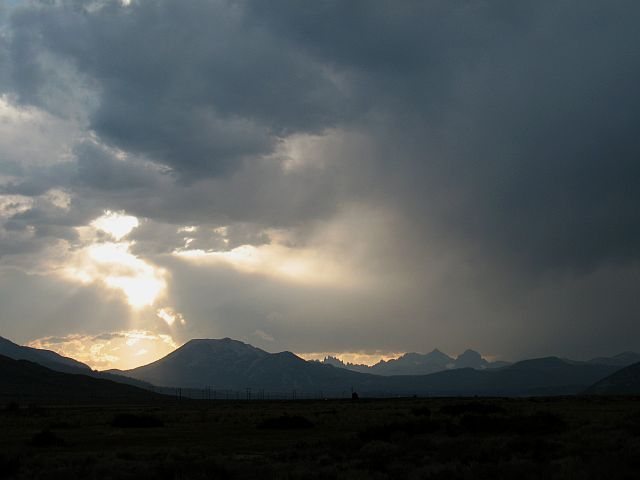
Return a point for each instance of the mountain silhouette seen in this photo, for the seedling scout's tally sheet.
(46, 358)
(59, 363)
(419, 363)
(414, 364)
(623, 382)
(28, 382)
(621, 360)
(543, 376)
(470, 359)
(230, 364)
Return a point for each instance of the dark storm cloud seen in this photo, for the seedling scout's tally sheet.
(98, 168)
(190, 84)
(515, 121)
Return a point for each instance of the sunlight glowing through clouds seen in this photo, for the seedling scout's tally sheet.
(118, 225)
(123, 349)
(170, 316)
(303, 266)
(117, 268)
(113, 264)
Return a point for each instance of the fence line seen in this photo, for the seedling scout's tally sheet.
(253, 394)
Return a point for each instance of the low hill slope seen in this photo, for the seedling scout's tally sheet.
(27, 382)
(46, 358)
(59, 363)
(623, 382)
(623, 359)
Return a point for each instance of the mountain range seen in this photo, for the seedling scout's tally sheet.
(419, 364)
(233, 365)
(227, 364)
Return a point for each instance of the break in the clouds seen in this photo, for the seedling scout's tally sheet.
(332, 176)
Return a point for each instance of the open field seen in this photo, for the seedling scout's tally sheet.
(581, 438)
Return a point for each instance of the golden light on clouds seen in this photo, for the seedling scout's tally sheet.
(305, 266)
(364, 358)
(336, 254)
(114, 265)
(170, 316)
(122, 350)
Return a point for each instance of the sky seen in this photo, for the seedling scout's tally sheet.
(362, 178)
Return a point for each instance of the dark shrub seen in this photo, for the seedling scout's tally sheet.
(538, 448)
(539, 423)
(36, 411)
(631, 423)
(536, 424)
(9, 465)
(286, 422)
(477, 408)
(46, 438)
(131, 420)
(61, 425)
(385, 432)
(421, 411)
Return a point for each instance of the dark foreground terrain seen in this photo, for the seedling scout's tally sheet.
(549, 438)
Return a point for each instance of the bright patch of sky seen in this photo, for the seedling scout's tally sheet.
(116, 224)
(122, 349)
(170, 317)
(115, 266)
(358, 358)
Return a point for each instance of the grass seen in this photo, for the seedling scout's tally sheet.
(552, 438)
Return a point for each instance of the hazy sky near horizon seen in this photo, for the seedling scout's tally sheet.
(360, 176)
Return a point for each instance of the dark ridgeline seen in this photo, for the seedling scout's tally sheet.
(26, 382)
(46, 358)
(621, 360)
(58, 363)
(622, 382)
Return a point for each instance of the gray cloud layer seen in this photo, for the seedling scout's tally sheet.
(498, 138)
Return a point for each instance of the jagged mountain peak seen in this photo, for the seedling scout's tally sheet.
(335, 361)
(437, 354)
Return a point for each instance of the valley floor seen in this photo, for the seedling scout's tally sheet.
(550, 438)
